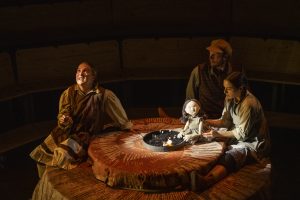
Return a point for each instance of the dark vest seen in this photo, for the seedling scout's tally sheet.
(211, 90)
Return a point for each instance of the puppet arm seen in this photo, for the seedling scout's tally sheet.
(181, 133)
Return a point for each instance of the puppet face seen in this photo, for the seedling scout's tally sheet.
(84, 75)
(192, 108)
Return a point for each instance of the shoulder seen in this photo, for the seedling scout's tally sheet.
(69, 90)
(199, 67)
(195, 70)
(251, 100)
(251, 103)
(100, 90)
(108, 95)
(202, 66)
(107, 92)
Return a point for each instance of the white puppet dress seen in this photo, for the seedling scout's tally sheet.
(193, 121)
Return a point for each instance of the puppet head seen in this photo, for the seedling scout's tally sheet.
(191, 107)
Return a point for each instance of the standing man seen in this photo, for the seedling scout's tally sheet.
(206, 79)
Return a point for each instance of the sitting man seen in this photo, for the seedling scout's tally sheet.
(81, 115)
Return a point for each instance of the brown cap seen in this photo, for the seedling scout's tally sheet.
(221, 46)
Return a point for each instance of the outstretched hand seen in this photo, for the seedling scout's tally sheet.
(210, 134)
(180, 134)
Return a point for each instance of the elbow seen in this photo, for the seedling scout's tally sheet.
(127, 126)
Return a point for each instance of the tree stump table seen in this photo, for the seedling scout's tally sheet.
(120, 159)
(250, 182)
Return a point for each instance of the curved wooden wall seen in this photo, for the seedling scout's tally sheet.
(43, 68)
(45, 22)
(141, 40)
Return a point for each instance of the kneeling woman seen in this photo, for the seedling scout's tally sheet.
(246, 127)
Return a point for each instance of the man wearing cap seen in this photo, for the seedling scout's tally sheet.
(206, 80)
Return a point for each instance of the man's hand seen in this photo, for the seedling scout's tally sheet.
(65, 120)
(84, 137)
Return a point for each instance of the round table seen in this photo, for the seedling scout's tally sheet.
(120, 158)
(250, 182)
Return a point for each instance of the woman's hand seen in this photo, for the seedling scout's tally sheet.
(180, 134)
(210, 134)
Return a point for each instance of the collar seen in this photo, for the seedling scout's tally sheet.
(96, 89)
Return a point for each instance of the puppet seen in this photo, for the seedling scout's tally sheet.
(193, 117)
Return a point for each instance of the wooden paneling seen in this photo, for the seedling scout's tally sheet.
(57, 65)
(6, 72)
(268, 56)
(169, 13)
(164, 57)
(268, 17)
(55, 16)
(90, 20)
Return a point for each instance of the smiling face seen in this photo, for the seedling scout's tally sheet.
(85, 76)
(192, 108)
(231, 91)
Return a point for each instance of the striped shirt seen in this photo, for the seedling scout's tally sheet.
(66, 146)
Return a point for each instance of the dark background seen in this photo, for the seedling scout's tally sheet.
(34, 24)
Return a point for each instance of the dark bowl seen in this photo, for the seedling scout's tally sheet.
(155, 140)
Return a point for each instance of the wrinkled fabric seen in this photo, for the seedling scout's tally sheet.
(247, 123)
(193, 125)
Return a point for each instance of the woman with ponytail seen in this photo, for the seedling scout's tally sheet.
(244, 124)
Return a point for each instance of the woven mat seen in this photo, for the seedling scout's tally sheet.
(251, 182)
(80, 184)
